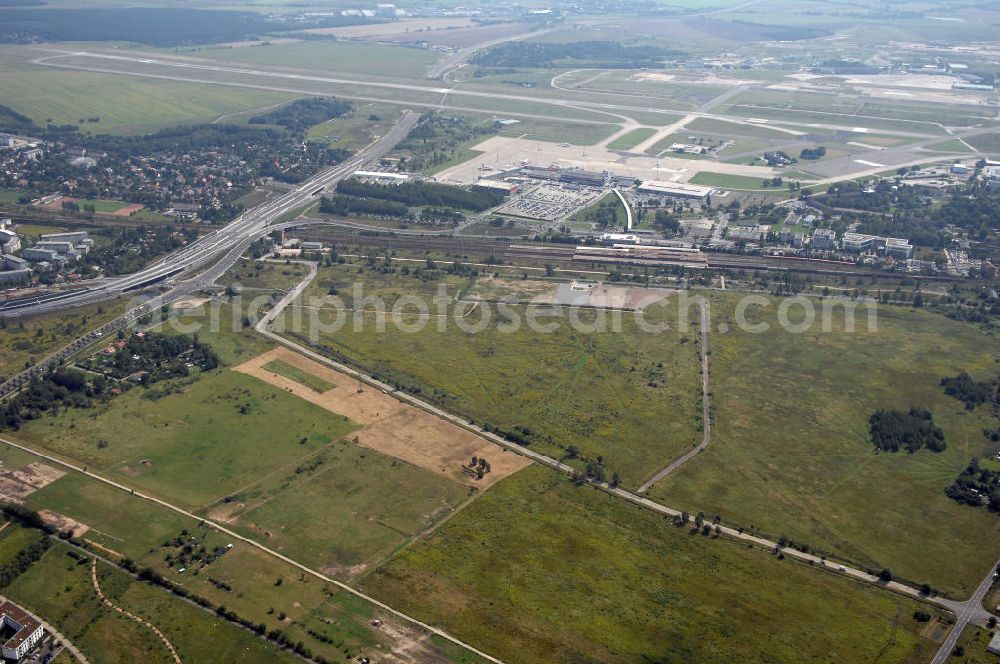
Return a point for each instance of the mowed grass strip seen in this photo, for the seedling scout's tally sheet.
(311, 381)
(538, 569)
(201, 442)
(125, 105)
(791, 452)
(631, 139)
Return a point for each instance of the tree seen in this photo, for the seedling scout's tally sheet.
(885, 576)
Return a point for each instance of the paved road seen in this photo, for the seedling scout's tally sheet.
(67, 644)
(203, 251)
(819, 562)
(706, 414)
(452, 60)
(966, 612)
(246, 540)
(129, 65)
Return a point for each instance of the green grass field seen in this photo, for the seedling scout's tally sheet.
(358, 129)
(285, 369)
(547, 571)
(204, 441)
(138, 528)
(130, 527)
(790, 452)
(124, 105)
(987, 143)
(631, 139)
(733, 182)
(630, 397)
(553, 131)
(333, 56)
(29, 340)
(344, 509)
(268, 276)
(59, 588)
(10, 195)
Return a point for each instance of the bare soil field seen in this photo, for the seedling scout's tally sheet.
(16, 485)
(63, 523)
(129, 210)
(390, 426)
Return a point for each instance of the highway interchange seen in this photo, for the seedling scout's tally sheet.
(230, 241)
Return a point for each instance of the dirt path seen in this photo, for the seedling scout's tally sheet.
(706, 415)
(131, 616)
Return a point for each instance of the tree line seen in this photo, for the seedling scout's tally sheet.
(422, 193)
(892, 430)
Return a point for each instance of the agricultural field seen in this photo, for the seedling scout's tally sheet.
(817, 478)
(124, 106)
(629, 397)
(575, 575)
(245, 579)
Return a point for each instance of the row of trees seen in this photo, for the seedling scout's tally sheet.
(302, 114)
(422, 193)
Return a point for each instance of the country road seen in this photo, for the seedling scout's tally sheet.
(966, 612)
(739, 535)
(246, 540)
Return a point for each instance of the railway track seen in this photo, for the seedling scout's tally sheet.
(563, 253)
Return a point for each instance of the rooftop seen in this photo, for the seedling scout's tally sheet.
(26, 624)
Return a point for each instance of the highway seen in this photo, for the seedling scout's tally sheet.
(238, 234)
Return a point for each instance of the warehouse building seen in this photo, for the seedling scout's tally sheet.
(37, 254)
(824, 239)
(676, 190)
(10, 242)
(75, 237)
(10, 278)
(498, 186)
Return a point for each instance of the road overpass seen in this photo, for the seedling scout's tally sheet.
(202, 251)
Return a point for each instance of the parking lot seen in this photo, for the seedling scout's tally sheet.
(549, 202)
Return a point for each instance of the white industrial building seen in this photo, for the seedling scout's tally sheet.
(380, 175)
(861, 243)
(676, 189)
(10, 242)
(76, 237)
